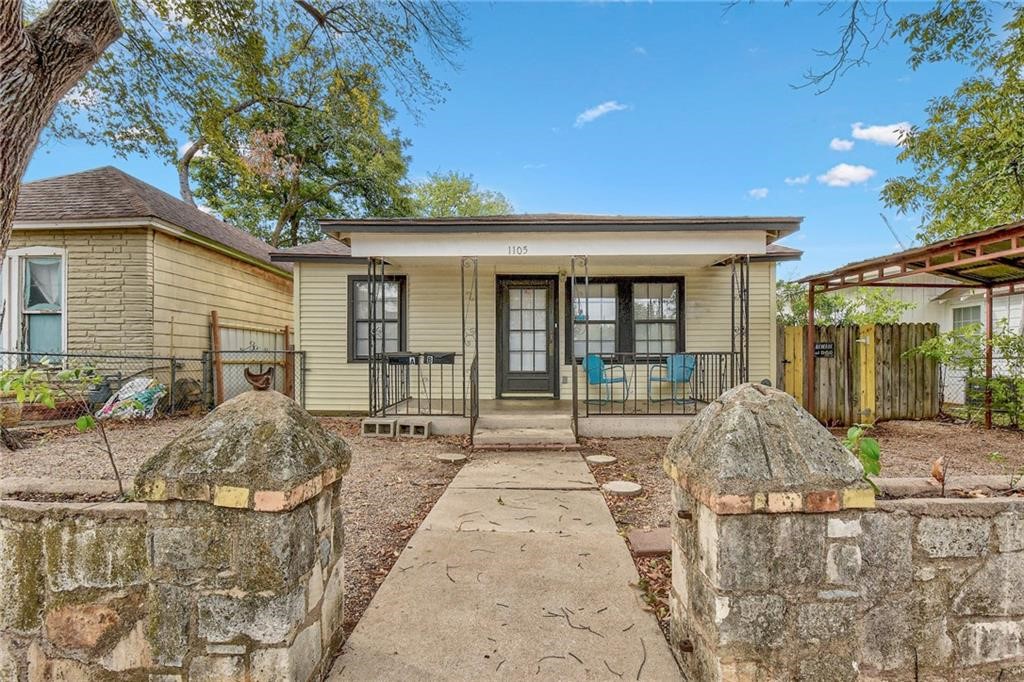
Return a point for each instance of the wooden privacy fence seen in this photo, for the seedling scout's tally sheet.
(862, 373)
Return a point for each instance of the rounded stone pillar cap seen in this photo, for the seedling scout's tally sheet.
(756, 439)
(257, 441)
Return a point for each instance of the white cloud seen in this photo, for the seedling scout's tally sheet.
(888, 134)
(758, 193)
(594, 113)
(798, 180)
(844, 175)
(205, 209)
(840, 145)
(640, 50)
(534, 166)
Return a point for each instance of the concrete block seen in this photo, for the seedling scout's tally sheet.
(377, 427)
(414, 428)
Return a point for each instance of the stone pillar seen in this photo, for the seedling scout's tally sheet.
(244, 535)
(764, 573)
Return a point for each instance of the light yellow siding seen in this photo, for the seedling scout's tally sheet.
(190, 280)
(109, 291)
(435, 320)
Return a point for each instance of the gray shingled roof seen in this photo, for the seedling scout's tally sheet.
(323, 249)
(108, 192)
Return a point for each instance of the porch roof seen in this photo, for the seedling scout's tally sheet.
(777, 227)
(992, 258)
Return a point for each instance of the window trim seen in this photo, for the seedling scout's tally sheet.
(12, 288)
(980, 321)
(624, 341)
(403, 316)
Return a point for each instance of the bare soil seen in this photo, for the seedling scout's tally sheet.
(910, 447)
(388, 490)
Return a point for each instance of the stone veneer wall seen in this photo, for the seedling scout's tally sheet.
(228, 569)
(785, 567)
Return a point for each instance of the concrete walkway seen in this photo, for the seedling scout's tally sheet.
(518, 571)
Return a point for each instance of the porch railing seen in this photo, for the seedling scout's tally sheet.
(420, 384)
(633, 385)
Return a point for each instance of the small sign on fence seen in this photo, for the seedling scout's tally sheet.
(825, 349)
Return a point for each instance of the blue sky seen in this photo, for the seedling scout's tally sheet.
(691, 112)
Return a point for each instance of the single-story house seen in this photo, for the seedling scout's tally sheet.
(101, 262)
(463, 319)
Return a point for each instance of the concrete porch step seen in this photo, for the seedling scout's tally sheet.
(524, 438)
(517, 421)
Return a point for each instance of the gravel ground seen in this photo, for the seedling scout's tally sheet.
(388, 490)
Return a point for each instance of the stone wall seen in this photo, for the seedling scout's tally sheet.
(228, 568)
(785, 567)
(73, 589)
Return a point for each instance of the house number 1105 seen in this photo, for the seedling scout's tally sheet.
(518, 249)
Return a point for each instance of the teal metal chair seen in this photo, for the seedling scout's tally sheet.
(677, 372)
(600, 374)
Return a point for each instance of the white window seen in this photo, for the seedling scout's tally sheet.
(966, 315)
(594, 319)
(655, 317)
(35, 301)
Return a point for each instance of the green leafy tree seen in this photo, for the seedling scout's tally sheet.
(866, 305)
(968, 158)
(447, 195)
(189, 75)
(339, 159)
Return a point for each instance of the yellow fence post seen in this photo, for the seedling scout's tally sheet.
(794, 373)
(867, 374)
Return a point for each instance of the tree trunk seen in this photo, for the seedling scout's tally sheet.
(39, 63)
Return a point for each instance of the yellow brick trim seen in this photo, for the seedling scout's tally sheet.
(231, 496)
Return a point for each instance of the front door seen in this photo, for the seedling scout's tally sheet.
(527, 351)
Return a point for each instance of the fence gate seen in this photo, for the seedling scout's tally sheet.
(862, 373)
(236, 347)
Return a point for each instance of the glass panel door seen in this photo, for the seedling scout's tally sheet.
(528, 330)
(526, 348)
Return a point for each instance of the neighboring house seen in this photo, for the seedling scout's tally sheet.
(101, 262)
(497, 292)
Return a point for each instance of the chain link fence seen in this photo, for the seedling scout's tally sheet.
(144, 385)
(962, 394)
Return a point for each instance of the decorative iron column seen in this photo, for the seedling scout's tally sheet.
(470, 298)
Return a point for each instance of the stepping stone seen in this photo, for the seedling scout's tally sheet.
(451, 457)
(622, 488)
(601, 459)
(657, 542)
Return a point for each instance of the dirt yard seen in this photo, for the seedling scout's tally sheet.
(388, 490)
(909, 448)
